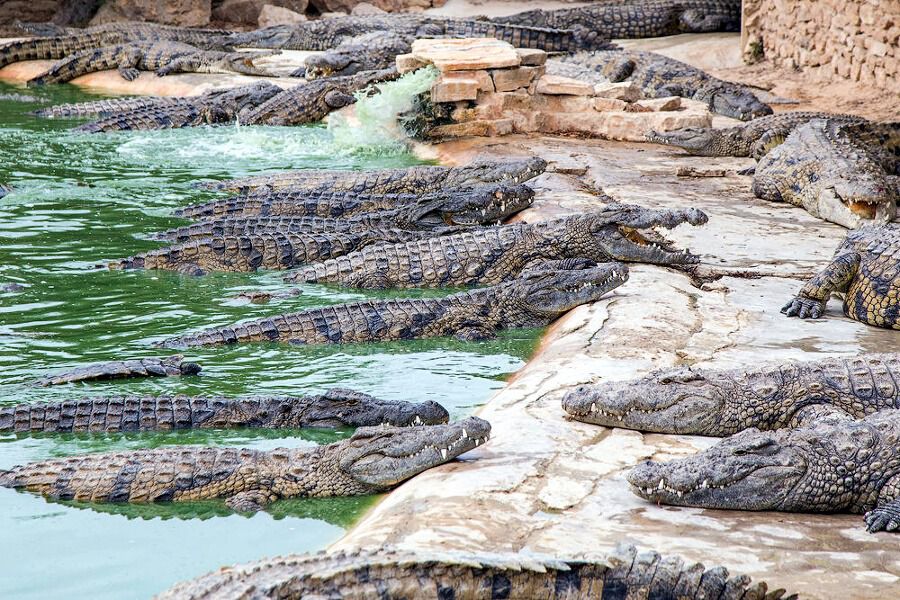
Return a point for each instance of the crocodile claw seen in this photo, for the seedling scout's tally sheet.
(882, 518)
(804, 308)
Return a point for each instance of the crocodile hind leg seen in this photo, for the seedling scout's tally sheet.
(765, 187)
(694, 21)
(249, 501)
(886, 514)
(620, 70)
(836, 277)
(766, 142)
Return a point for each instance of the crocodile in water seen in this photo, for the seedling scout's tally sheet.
(170, 366)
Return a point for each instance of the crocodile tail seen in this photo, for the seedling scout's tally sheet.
(31, 49)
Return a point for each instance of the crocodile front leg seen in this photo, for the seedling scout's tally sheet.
(836, 277)
(886, 514)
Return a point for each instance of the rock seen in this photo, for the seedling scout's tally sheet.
(660, 104)
(466, 54)
(602, 104)
(531, 57)
(624, 90)
(507, 80)
(271, 15)
(554, 85)
(30, 11)
(408, 62)
(453, 87)
(699, 172)
(633, 126)
(190, 13)
(333, 14)
(364, 8)
(249, 12)
(479, 128)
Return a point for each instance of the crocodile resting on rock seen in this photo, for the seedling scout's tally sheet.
(374, 460)
(866, 269)
(492, 255)
(535, 299)
(162, 57)
(170, 366)
(659, 76)
(827, 465)
(375, 50)
(335, 408)
(754, 138)
(398, 574)
(844, 172)
(408, 180)
(689, 400)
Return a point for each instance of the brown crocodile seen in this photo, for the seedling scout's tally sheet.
(117, 369)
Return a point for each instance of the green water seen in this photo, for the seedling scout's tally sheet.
(81, 199)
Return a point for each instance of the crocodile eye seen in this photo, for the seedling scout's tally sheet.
(764, 447)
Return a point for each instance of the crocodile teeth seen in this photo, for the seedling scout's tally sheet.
(465, 434)
(444, 453)
(593, 407)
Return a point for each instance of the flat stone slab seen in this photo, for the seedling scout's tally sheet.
(465, 54)
(555, 85)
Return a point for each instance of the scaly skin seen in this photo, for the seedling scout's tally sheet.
(480, 205)
(493, 255)
(720, 403)
(171, 366)
(535, 299)
(659, 76)
(864, 269)
(374, 460)
(162, 57)
(844, 172)
(366, 52)
(754, 138)
(311, 102)
(409, 180)
(397, 574)
(335, 408)
(107, 107)
(827, 465)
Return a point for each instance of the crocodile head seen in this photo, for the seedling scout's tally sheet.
(382, 457)
(372, 50)
(700, 141)
(490, 171)
(732, 100)
(854, 197)
(554, 291)
(240, 62)
(346, 408)
(480, 206)
(278, 36)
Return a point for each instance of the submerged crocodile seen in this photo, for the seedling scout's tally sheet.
(374, 460)
(720, 403)
(335, 408)
(170, 366)
(660, 76)
(493, 255)
(409, 180)
(535, 299)
(754, 138)
(396, 574)
(162, 57)
(482, 204)
(844, 172)
(827, 465)
(866, 270)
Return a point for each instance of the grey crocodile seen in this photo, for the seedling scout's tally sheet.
(367, 52)
(689, 400)
(335, 408)
(374, 460)
(170, 366)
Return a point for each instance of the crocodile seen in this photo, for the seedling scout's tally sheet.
(659, 76)
(409, 180)
(170, 366)
(373, 460)
(753, 139)
(865, 270)
(394, 574)
(367, 52)
(482, 204)
(335, 408)
(162, 57)
(107, 106)
(534, 299)
(492, 255)
(829, 464)
(311, 102)
(846, 173)
(690, 400)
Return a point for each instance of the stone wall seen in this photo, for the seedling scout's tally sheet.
(855, 40)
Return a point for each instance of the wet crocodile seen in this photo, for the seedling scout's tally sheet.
(534, 299)
(396, 574)
(107, 106)
(690, 400)
(374, 460)
(367, 52)
(410, 180)
(493, 255)
(170, 366)
(163, 58)
(754, 138)
(865, 270)
(660, 76)
(311, 102)
(827, 465)
(482, 204)
(846, 173)
(335, 408)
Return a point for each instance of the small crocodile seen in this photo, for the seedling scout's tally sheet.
(754, 138)
(660, 76)
(844, 172)
(370, 51)
(335, 408)
(689, 400)
(496, 254)
(865, 269)
(162, 57)
(827, 465)
(410, 180)
(397, 574)
(483, 204)
(170, 366)
(374, 460)
(535, 299)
